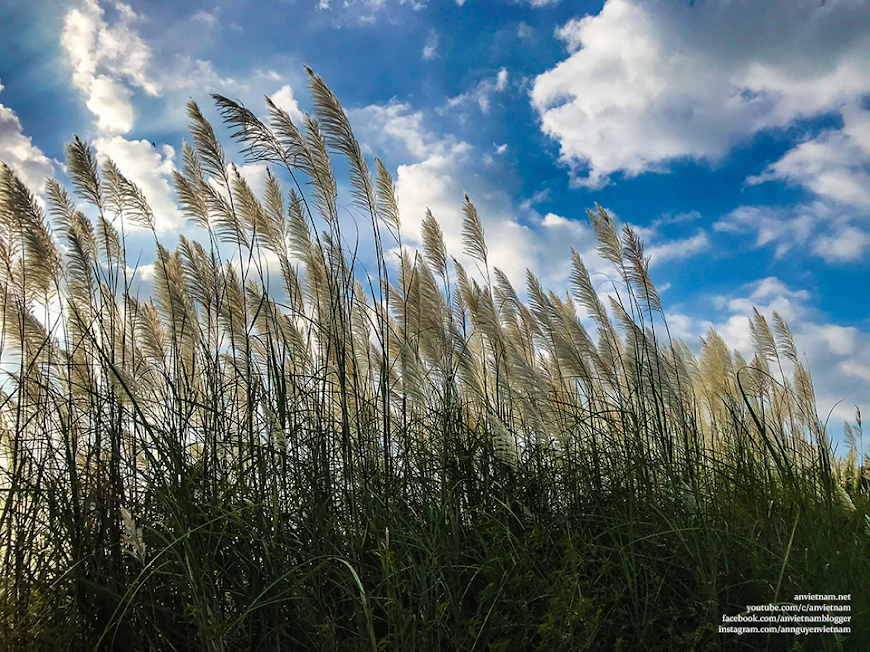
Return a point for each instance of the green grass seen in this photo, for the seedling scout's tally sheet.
(425, 463)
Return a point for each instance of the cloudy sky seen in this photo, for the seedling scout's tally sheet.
(733, 134)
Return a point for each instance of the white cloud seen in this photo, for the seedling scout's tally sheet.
(19, 153)
(769, 294)
(680, 326)
(271, 75)
(646, 83)
(208, 18)
(151, 170)
(773, 287)
(430, 50)
(142, 272)
(677, 249)
(110, 102)
(839, 340)
(829, 230)
(283, 99)
(835, 164)
(104, 59)
(845, 245)
(110, 60)
(541, 196)
(368, 11)
(551, 219)
(197, 75)
(398, 123)
(676, 218)
(434, 184)
(483, 92)
(856, 369)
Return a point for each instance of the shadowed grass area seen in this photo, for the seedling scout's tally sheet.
(425, 462)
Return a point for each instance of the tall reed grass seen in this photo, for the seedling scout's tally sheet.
(281, 450)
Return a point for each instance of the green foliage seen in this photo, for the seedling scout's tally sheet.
(427, 463)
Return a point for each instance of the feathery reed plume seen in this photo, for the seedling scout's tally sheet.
(608, 344)
(208, 150)
(433, 245)
(785, 340)
(762, 339)
(472, 233)
(20, 214)
(200, 467)
(189, 186)
(260, 142)
(339, 136)
(320, 171)
(638, 271)
(125, 197)
(605, 232)
(294, 148)
(254, 223)
(388, 206)
(84, 172)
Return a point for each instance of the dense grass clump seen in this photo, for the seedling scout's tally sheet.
(281, 450)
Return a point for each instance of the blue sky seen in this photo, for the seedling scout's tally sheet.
(733, 134)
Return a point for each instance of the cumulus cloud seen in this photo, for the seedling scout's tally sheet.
(771, 225)
(284, 99)
(207, 18)
(19, 153)
(483, 92)
(844, 245)
(110, 102)
(186, 74)
(396, 123)
(106, 60)
(835, 164)
(110, 60)
(430, 50)
(552, 220)
(677, 249)
(829, 230)
(856, 369)
(434, 184)
(646, 83)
